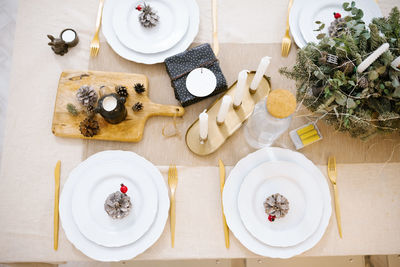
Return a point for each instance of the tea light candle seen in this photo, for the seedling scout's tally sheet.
(70, 37)
(240, 88)
(109, 103)
(223, 110)
(203, 121)
(201, 82)
(262, 68)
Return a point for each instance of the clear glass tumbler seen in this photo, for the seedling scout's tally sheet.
(262, 128)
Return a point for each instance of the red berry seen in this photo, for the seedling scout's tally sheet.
(271, 218)
(337, 15)
(139, 7)
(123, 189)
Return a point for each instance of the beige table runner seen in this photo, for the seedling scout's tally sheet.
(31, 151)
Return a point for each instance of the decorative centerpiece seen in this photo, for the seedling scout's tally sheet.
(112, 108)
(350, 78)
(118, 204)
(276, 206)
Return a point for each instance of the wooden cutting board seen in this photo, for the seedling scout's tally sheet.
(130, 130)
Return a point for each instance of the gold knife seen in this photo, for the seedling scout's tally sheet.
(332, 173)
(222, 183)
(56, 198)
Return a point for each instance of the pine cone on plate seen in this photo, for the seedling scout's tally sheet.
(336, 27)
(89, 127)
(121, 90)
(276, 205)
(148, 17)
(87, 96)
(118, 205)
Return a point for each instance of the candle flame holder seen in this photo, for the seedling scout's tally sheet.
(218, 134)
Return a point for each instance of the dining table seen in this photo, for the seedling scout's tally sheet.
(368, 171)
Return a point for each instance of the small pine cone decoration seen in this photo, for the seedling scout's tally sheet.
(87, 96)
(89, 127)
(363, 82)
(139, 88)
(336, 27)
(118, 205)
(121, 90)
(137, 107)
(348, 67)
(276, 205)
(148, 17)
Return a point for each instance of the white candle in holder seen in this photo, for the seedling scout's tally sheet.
(203, 121)
(240, 88)
(223, 110)
(262, 68)
(109, 103)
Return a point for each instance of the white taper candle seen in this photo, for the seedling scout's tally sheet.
(223, 109)
(371, 58)
(262, 68)
(203, 120)
(240, 88)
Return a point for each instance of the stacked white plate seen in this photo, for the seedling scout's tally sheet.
(178, 26)
(291, 174)
(305, 13)
(86, 223)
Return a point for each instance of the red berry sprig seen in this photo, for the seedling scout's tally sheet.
(337, 15)
(123, 189)
(139, 8)
(271, 218)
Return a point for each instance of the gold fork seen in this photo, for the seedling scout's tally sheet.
(286, 41)
(172, 183)
(332, 176)
(95, 43)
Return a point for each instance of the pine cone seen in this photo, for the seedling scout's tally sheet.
(137, 107)
(276, 205)
(336, 27)
(348, 67)
(363, 82)
(87, 96)
(148, 18)
(118, 205)
(139, 88)
(89, 127)
(121, 90)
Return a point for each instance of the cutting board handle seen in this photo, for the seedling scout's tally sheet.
(167, 110)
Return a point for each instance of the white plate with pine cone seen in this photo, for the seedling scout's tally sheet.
(146, 58)
(302, 204)
(231, 210)
(171, 21)
(108, 254)
(100, 180)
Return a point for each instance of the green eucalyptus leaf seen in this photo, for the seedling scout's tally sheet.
(321, 36)
(340, 98)
(373, 75)
(351, 103)
(396, 92)
(346, 6)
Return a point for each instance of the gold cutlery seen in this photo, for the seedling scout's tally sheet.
(172, 183)
(56, 198)
(95, 43)
(222, 183)
(215, 32)
(286, 41)
(332, 173)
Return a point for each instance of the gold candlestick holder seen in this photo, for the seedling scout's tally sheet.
(218, 133)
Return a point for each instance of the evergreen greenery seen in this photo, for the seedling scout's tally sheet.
(361, 104)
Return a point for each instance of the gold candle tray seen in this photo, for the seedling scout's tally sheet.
(218, 134)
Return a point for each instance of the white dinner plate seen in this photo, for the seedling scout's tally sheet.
(132, 55)
(300, 189)
(172, 26)
(96, 251)
(99, 181)
(230, 197)
(294, 18)
(322, 10)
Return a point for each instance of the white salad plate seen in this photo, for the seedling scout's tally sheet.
(96, 251)
(322, 10)
(99, 181)
(231, 192)
(291, 181)
(294, 17)
(172, 26)
(153, 58)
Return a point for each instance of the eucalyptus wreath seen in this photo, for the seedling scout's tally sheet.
(329, 85)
